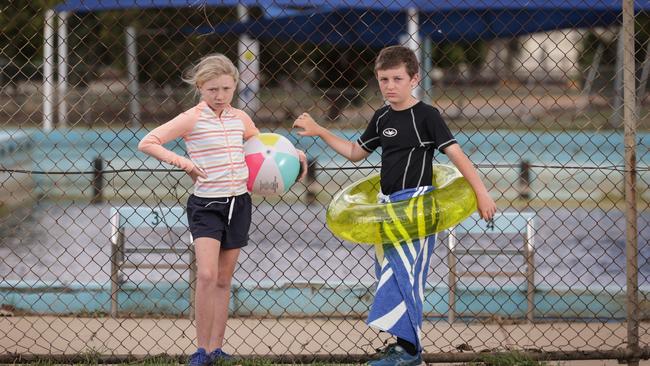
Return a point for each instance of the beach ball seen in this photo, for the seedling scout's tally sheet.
(273, 164)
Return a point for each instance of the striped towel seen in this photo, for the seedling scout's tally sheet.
(402, 267)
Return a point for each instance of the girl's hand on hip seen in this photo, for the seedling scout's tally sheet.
(197, 173)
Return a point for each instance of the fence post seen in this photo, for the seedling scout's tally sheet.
(524, 179)
(631, 235)
(98, 180)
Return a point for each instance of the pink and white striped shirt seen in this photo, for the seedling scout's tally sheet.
(214, 144)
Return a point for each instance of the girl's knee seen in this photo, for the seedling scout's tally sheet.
(224, 282)
(207, 276)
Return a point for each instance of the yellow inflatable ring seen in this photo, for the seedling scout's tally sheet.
(354, 214)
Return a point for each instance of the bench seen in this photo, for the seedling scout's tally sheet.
(127, 217)
(522, 223)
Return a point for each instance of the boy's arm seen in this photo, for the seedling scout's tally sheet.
(349, 149)
(486, 205)
(251, 130)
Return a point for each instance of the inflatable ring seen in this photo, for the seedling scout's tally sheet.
(355, 215)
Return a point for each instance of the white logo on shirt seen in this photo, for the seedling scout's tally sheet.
(390, 132)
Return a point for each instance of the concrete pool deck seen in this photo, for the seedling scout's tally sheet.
(294, 337)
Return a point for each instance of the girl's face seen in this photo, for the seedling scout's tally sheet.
(396, 86)
(218, 92)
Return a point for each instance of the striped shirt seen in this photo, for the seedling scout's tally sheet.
(214, 144)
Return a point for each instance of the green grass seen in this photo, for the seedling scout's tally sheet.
(508, 359)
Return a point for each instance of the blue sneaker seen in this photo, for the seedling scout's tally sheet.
(219, 355)
(199, 358)
(395, 355)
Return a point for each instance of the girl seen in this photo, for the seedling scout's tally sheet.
(219, 210)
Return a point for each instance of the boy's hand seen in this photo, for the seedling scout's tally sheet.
(309, 126)
(486, 206)
(197, 173)
(303, 165)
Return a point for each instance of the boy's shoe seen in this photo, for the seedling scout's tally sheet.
(395, 355)
(219, 355)
(199, 358)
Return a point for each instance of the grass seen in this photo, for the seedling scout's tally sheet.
(501, 359)
(508, 359)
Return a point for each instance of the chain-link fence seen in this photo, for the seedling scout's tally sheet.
(95, 258)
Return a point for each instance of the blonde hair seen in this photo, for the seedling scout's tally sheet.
(210, 67)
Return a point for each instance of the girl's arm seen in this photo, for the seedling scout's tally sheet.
(152, 144)
(349, 149)
(486, 205)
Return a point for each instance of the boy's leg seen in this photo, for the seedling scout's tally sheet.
(207, 264)
(410, 348)
(227, 264)
(397, 307)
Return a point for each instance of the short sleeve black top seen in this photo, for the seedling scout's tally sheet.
(408, 139)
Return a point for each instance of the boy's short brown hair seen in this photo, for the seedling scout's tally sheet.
(394, 56)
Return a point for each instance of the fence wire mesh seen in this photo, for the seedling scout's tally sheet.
(95, 254)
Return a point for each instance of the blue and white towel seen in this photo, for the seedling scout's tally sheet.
(401, 268)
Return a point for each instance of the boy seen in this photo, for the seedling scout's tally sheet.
(408, 131)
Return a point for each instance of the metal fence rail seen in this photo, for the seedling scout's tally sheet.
(549, 102)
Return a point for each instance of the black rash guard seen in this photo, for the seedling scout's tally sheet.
(408, 139)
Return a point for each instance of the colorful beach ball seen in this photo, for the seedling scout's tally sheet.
(273, 164)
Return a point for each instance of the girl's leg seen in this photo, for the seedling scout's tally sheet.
(207, 265)
(227, 263)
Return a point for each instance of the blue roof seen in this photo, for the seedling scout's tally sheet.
(392, 5)
(377, 23)
(378, 28)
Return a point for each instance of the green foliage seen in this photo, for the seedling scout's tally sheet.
(21, 36)
(507, 359)
(450, 55)
(167, 45)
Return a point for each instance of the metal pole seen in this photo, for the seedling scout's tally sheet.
(248, 63)
(413, 40)
(63, 68)
(98, 180)
(591, 76)
(641, 90)
(132, 67)
(427, 65)
(615, 119)
(451, 259)
(631, 235)
(530, 270)
(48, 71)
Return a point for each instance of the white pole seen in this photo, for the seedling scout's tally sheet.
(413, 40)
(641, 89)
(591, 76)
(427, 65)
(132, 67)
(617, 114)
(48, 70)
(249, 68)
(63, 68)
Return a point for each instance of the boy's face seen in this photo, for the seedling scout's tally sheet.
(396, 85)
(218, 92)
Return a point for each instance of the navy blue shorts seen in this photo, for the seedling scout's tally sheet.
(208, 218)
